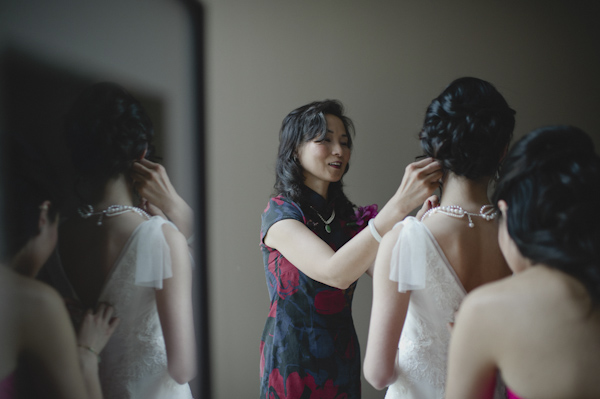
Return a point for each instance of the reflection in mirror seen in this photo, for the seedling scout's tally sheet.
(157, 56)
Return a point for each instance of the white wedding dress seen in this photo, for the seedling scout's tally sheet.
(419, 265)
(134, 361)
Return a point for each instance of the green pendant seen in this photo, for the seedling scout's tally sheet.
(328, 228)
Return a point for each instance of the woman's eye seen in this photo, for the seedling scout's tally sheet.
(344, 144)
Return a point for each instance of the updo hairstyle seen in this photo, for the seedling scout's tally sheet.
(302, 125)
(467, 128)
(106, 131)
(551, 183)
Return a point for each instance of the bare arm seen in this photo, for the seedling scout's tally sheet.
(471, 363)
(340, 269)
(174, 303)
(388, 313)
(51, 348)
(153, 184)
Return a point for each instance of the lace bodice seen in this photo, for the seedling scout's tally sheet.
(419, 264)
(134, 361)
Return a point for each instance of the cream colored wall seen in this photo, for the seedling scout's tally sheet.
(385, 60)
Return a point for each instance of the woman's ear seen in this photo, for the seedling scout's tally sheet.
(503, 206)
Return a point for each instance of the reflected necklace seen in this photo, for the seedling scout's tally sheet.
(328, 221)
(87, 211)
(486, 212)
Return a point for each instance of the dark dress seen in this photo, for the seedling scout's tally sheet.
(309, 348)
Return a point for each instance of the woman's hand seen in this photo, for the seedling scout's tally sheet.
(96, 328)
(420, 180)
(154, 186)
(159, 197)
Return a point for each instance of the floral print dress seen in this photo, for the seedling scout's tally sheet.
(309, 347)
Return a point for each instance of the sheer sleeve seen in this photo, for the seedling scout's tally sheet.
(409, 256)
(153, 260)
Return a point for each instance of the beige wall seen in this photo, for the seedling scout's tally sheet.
(385, 60)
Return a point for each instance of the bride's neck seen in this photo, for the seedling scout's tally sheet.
(117, 191)
(470, 194)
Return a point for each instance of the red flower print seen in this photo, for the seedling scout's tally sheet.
(276, 388)
(330, 301)
(286, 274)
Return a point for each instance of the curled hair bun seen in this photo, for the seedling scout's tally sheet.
(468, 127)
(106, 130)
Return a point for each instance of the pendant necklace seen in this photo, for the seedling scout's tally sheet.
(328, 221)
(87, 211)
(487, 212)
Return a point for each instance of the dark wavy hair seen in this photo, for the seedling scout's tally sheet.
(551, 183)
(27, 180)
(467, 128)
(302, 125)
(106, 130)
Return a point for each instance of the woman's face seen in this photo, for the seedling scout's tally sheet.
(325, 162)
(515, 260)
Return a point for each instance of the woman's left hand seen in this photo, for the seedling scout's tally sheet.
(97, 327)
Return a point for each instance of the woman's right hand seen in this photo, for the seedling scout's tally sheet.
(97, 327)
(420, 180)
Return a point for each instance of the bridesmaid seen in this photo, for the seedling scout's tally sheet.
(540, 328)
(42, 356)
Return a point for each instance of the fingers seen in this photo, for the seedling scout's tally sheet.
(112, 325)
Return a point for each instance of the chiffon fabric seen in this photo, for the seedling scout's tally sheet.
(134, 361)
(309, 347)
(419, 265)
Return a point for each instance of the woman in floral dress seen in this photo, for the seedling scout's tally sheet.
(314, 251)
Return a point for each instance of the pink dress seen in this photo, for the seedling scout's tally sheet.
(7, 387)
(511, 395)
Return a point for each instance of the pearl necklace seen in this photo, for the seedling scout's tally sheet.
(87, 211)
(328, 221)
(486, 212)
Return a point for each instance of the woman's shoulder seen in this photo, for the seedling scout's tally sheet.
(34, 298)
(282, 205)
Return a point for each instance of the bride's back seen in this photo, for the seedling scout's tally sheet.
(89, 251)
(474, 253)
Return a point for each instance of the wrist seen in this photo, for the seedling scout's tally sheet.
(89, 352)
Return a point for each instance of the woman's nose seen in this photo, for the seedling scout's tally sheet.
(337, 149)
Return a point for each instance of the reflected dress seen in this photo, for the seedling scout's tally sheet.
(134, 361)
(309, 346)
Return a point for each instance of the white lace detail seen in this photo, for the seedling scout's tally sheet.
(425, 338)
(134, 362)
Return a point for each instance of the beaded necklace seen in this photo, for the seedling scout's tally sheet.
(486, 212)
(328, 221)
(87, 211)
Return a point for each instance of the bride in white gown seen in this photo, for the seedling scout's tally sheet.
(426, 265)
(115, 252)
